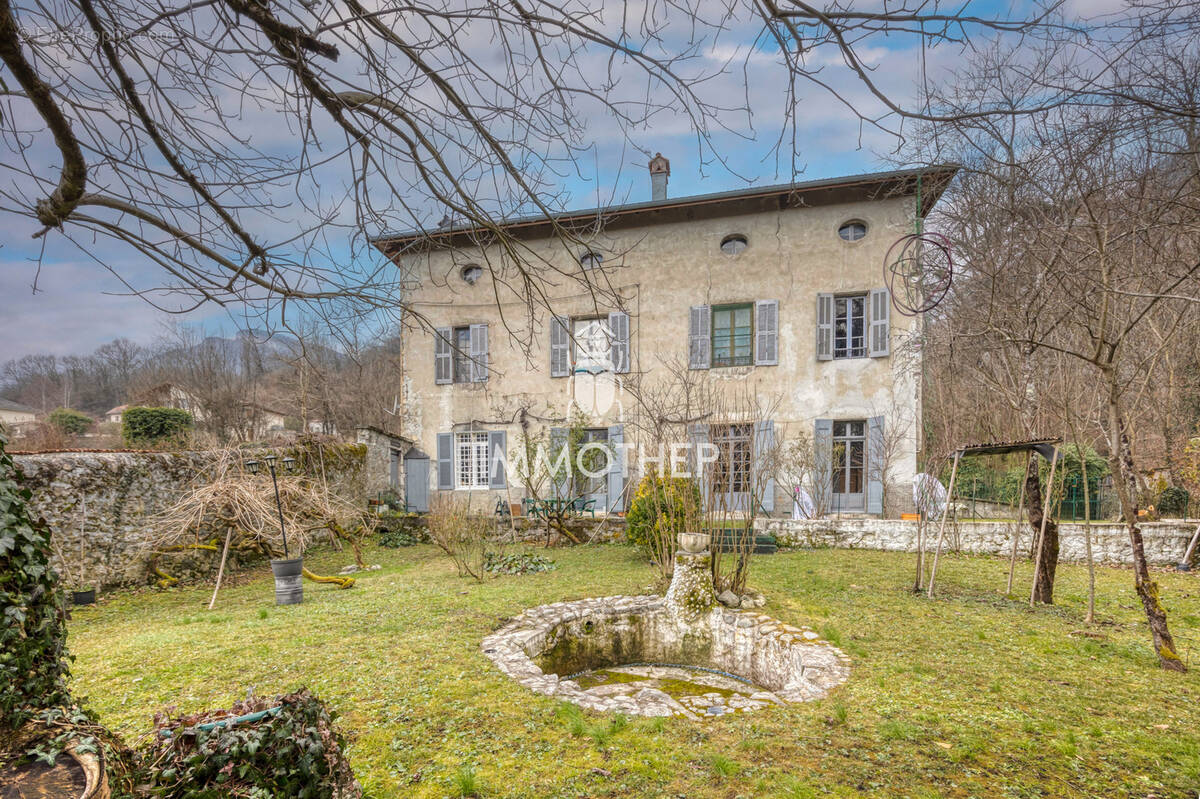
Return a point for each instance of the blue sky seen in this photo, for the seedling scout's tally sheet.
(79, 303)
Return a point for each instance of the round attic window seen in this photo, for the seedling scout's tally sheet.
(471, 273)
(853, 230)
(591, 260)
(734, 244)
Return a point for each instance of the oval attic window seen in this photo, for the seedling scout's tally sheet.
(591, 260)
(853, 230)
(733, 244)
(471, 273)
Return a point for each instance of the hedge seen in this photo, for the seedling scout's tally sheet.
(143, 426)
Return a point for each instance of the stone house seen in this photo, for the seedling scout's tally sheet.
(777, 289)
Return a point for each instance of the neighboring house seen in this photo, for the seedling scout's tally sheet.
(321, 427)
(115, 415)
(262, 421)
(14, 414)
(780, 288)
(169, 395)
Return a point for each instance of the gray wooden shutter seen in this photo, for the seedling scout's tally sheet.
(700, 337)
(823, 465)
(443, 367)
(825, 328)
(616, 469)
(875, 464)
(881, 311)
(618, 325)
(497, 458)
(766, 333)
(560, 347)
(698, 434)
(479, 353)
(764, 462)
(445, 461)
(560, 483)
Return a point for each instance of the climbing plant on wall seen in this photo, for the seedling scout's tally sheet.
(33, 635)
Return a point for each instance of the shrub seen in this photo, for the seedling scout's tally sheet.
(70, 422)
(460, 533)
(1172, 501)
(517, 563)
(293, 752)
(662, 508)
(142, 427)
(33, 637)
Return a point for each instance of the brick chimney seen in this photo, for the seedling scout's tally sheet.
(660, 170)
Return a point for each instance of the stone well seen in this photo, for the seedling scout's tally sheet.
(543, 646)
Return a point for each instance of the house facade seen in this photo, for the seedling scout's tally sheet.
(778, 293)
(14, 414)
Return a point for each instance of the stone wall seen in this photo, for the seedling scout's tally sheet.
(98, 504)
(1165, 542)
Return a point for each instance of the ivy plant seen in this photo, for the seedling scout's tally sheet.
(33, 634)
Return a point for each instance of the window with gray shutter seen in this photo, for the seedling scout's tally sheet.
(698, 436)
(497, 459)
(442, 365)
(700, 337)
(618, 325)
(445, 461)
(825, 327)
(766, 332)
(764, 463)
(823, 465)
(560, 471)
(479, 353)
(560, 347)
(616, 469)
(881, 308)
(876, 462)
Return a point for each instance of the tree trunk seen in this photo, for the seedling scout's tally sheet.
(1043, 581)
(1121, 462)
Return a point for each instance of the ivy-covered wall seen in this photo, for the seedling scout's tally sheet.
(98, 503)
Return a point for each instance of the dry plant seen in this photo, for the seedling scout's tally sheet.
(802, 467)
(740, 484)
(461, 533)
(225, 502)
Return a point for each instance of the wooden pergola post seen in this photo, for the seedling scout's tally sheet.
(1037, 561)
(942, 528)
(1012, 563)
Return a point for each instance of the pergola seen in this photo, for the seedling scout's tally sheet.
(1048, 448)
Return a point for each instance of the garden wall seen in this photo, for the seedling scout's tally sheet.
(1165, 542)
(98, 503)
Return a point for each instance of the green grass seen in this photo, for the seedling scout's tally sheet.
(968, 695)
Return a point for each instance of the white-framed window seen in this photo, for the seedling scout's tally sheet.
(471, 459)
(592, 339)
(850, 326)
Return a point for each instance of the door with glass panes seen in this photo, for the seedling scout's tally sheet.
(595, 460)
(849, 466)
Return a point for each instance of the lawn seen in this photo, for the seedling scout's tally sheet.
(971, 694)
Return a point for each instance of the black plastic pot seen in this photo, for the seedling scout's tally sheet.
(288, 588)
(87, 597)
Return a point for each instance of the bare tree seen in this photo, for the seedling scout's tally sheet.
(1078, 228)
(230, 192)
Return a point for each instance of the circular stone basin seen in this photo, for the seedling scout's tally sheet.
(575, 650)
(689, 691)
